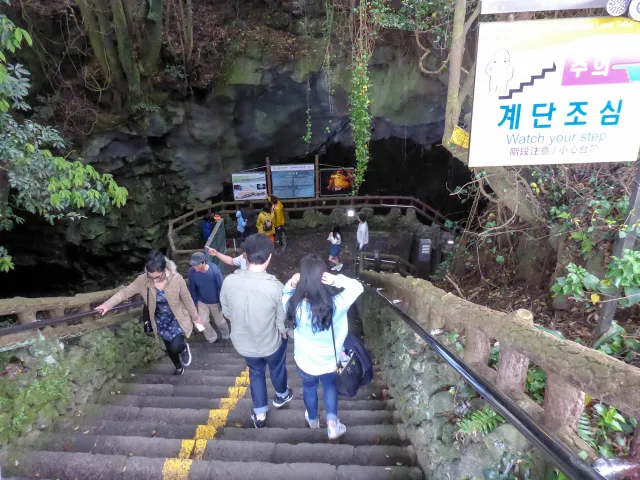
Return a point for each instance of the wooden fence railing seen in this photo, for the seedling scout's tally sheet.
(573, 370)
(424, 211)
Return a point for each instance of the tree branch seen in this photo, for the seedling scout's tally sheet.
(471, 19)
(467, 86)
(426, 53)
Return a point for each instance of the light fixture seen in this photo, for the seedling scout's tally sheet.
(351, 212)
(449, 238)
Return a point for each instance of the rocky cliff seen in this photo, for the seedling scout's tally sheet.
(181, 150)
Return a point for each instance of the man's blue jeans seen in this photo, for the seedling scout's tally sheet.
(277, 363)
(329, 394)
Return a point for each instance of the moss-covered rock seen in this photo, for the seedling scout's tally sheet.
(59, 376)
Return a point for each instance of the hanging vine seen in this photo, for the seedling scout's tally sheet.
(309, 132)
(363, 40)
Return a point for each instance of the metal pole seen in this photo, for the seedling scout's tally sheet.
(268, 164)
(317, 171)
(619, 246)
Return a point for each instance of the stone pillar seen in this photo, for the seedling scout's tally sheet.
(512, 366)
(563, 404)
(26, 317)
(477, 347)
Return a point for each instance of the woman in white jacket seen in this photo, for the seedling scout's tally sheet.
(312, 307)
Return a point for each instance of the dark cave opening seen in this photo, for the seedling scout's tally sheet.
(398, 166)
(47, 264)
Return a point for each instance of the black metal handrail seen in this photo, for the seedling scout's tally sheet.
(60, 320)
(567, 461)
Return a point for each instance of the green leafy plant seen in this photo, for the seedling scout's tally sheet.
(622, 281)
(308, 135)
(360, 117)
(41, 182)
(617, 343)
(456, 339)
(536, 383)
(512, 466)
(481, 421)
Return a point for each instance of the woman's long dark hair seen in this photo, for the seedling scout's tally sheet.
(317, 294)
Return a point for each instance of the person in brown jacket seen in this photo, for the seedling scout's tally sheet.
(171, 309)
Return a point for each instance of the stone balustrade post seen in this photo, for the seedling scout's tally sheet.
(26, 317)
(563, 404)
(477, 347)
(513, 366)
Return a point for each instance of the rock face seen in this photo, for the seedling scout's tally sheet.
(182, 156)
(182, 152)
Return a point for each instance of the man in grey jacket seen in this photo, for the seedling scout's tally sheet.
(252, 301)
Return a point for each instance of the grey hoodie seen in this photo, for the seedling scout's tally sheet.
(252, 301)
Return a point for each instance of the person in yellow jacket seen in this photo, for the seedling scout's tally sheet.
(278, 213)
(266, 221)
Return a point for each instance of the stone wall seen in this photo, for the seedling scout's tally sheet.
(51, 378)
(419, 381)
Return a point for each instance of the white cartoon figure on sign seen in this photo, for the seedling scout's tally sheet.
(500, 72)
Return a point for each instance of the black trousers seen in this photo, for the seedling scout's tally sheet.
(174, 348)
(249, 230)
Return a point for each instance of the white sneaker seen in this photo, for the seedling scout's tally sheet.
(336, 431)
(339, 267)
(335, 269)
(314, 424)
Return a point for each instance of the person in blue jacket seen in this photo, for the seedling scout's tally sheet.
(311, 308)
(207, 228)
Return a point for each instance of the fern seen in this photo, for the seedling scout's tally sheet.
(585, 432)
(586, 241)
(483, 421)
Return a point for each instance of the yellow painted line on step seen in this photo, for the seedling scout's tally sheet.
(178, 468)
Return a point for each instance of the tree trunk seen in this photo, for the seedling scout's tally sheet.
(4, 188)
(115, 70)
(153, 42)
(93, 32)
(456, 53)
(188, 28)
(132, 14)
(125, 49)
(507, 184)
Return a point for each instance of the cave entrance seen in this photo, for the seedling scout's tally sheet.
(403, 167)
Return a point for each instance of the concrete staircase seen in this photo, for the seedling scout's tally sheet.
(154, 425)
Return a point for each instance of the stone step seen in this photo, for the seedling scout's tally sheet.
(70, 466)
(356, 434)
(220, 346)
(234, 450)
(214, 379)
(369, 392)
(201, 402)
(189, 419)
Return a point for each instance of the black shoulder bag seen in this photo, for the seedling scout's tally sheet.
(350, 376)
(146, 318)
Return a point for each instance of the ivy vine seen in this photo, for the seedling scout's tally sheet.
(360, 117)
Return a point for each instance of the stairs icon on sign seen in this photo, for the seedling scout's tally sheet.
(529, 82)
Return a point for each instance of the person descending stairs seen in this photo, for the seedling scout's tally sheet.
(155, 425)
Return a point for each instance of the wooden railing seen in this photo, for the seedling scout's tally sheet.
(573, 370)
(424, 211)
